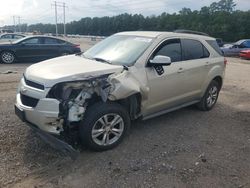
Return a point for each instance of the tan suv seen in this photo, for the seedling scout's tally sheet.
(127, 76)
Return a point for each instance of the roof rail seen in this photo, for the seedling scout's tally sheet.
(190, 32)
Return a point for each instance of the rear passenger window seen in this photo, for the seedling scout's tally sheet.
(206, 52)
(170, 48)
(51, 41)
(193, 49)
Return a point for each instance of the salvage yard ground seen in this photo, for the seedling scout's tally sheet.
(185, 148)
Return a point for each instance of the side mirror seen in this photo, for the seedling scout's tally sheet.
(160, 60)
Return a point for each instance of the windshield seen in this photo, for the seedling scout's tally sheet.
(119, 49)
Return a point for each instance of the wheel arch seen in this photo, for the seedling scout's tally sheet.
(131, 103)
(219, 80)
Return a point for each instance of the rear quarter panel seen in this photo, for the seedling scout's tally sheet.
(216, 68)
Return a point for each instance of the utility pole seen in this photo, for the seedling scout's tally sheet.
(19, 23)
(60, 4)
(64, 26)
(56, 17)
(14, 21)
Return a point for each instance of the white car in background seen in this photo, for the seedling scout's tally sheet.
(9, 37)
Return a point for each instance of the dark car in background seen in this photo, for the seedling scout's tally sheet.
(36, 48)
(235, 48)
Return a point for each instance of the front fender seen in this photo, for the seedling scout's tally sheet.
(125, 85)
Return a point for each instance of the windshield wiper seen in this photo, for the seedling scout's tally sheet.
(102, 60)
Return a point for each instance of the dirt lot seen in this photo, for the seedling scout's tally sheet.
(186, 148)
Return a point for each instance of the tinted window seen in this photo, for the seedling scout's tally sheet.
(215, 46)
(170, 48)
(32, 41)
(206, 52)
(193, 49)
(51, 41)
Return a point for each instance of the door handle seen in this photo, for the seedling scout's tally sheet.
(180, 70)
(207, 63)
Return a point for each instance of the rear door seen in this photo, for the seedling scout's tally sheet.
(51, 47)
(196, 65)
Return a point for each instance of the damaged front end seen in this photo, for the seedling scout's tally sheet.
(74, 98)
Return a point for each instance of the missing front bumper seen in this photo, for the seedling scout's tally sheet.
(50, 139)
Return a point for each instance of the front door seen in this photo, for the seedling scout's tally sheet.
(166, 83)
(30, 49)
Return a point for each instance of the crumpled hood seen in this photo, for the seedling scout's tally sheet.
(67, 68)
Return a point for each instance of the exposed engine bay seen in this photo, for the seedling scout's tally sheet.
(74, 98)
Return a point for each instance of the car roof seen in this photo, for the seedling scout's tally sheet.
(42, 36)
(12, 34)
(155, 34)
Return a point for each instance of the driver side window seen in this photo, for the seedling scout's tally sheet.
(170, 48)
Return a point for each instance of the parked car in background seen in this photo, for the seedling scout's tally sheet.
(236, 48)
(10, 37)
(127, 76)
(36, 48)
(6, 31)
(220, 42)
(245, 54)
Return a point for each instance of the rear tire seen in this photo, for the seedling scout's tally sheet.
(8, 57)
(104, 126)
(210, 97)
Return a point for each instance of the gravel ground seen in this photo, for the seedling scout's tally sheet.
(185, 148)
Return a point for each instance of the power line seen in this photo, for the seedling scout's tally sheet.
(62, 5)
(55, 5)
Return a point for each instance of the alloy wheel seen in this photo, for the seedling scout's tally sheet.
(212, 96)
(107, 129)
(8, 57)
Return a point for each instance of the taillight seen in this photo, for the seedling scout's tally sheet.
(225, 61)
(77, 46)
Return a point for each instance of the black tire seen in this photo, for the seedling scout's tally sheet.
(8, 57)
(205, 104)
(92, 119)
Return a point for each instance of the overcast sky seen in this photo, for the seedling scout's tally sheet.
(41, 11)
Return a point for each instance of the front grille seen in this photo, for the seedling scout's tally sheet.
(33, 84)
(28, 101)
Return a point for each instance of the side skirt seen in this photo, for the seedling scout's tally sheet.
(169, 110)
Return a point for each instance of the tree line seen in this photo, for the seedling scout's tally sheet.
(220, 20)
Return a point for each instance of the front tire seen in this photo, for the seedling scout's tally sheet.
(104, 126)
(8, 57)
(210, 97)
